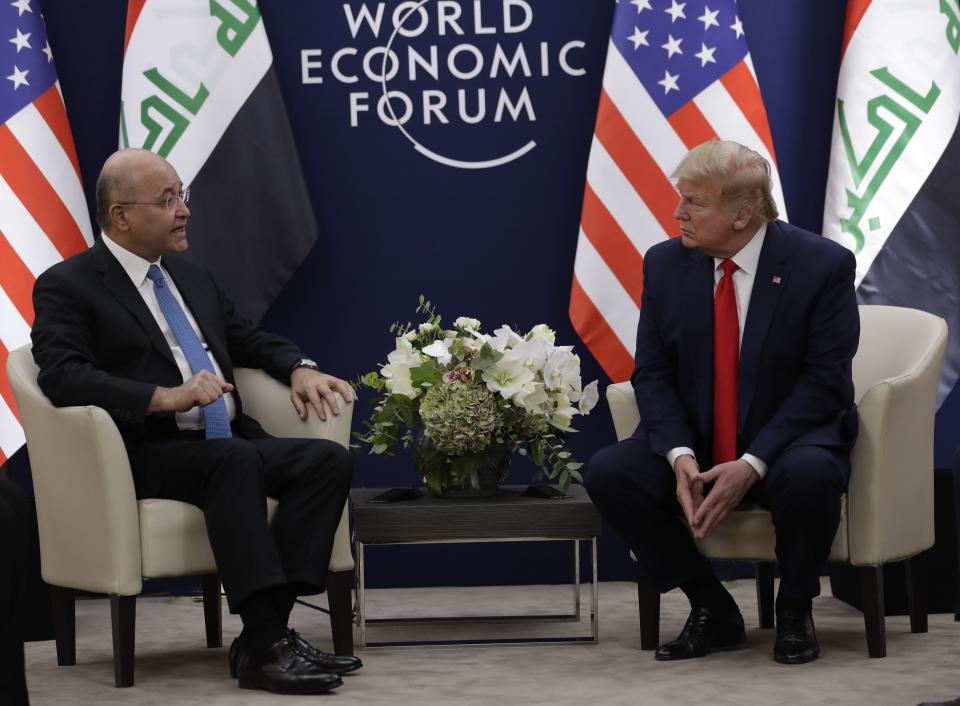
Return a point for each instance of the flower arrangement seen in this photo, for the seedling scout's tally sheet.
(467, 400)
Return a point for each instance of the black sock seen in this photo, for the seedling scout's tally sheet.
(283, 601)
(786, 603)
(262, 625)
(707, 592)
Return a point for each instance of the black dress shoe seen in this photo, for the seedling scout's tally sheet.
(955, 702)
(283, 669)
(796, 639)
(705, 632)
(338, 664)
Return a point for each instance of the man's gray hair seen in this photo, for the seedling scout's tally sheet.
(743, 175)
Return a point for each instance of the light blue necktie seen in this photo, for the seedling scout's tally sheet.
(216, 421)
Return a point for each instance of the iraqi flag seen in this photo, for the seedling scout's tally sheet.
(199, 89)
(892, 194)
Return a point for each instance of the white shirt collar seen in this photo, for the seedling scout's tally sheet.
(748, 257)
(134, 265)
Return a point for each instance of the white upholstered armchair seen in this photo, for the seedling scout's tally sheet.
(95, 536)
(887, 512)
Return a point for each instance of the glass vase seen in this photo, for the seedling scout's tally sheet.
(470, 475)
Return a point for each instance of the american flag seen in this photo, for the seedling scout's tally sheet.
(43, 213)
(677, 75)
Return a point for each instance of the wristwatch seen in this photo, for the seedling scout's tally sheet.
(305, 363)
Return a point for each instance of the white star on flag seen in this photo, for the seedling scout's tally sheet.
(641, 5)
(46, 50)
(672, 46)
(706, 55)
(709, 17)
(19, 78)
(676, 11)
(21, 41)
(22, 6)
(669, 82)
(639, 38)
(737, 27)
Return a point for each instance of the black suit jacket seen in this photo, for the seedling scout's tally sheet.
(96, 343)
(802, 330)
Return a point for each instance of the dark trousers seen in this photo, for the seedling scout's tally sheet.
(635, 491)
(16, 538)
(230, 479)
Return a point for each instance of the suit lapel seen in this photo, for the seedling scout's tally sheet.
(773, 276)
(697, 317)
(118, 283)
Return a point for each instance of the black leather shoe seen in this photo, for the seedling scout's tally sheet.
(338, 664)
(705, 632)
(796, 639)
(283, 669)
(955, 702)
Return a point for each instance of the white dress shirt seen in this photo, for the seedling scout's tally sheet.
(746, 260)
(136, 268)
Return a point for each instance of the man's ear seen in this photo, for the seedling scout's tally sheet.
(118, 217)
(743, 217)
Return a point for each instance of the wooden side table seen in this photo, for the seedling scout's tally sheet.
(508, 516)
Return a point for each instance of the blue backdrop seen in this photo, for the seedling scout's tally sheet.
(497, 244)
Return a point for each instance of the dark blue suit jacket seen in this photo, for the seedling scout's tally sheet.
(802, 330)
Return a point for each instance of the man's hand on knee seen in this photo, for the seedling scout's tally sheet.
(310, 387)
(731, 481)
(200, 390)
(689, 485)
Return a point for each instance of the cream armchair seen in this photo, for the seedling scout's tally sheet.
(95, 536)
(887, 512)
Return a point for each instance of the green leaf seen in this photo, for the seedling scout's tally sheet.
(486, 357)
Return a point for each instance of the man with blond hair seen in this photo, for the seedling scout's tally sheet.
(747, 331)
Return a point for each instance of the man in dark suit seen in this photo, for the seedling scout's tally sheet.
(747, 331)
(18, 540)
(130, 327)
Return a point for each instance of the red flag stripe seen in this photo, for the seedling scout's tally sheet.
(134, 8)
(615, 360)
(5, 390)
(16, 280)
(743, 88)
(612, 244)
(50, 106)
(691, 125)
(39, 198)
(633, 159)
(856, 9)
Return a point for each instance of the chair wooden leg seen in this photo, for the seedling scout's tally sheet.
(649, 604)
(212, 610)
(765, 602)
(916, 593)
(123, 618)
(874, 612)
(64, 624)
(339, 598)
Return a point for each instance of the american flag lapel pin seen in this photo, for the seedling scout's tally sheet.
(776, 279)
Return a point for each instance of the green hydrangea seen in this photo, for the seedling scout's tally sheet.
(460, 417)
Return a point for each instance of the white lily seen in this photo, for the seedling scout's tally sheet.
(533, 398)
(440, 350)
(507, 377)
(504, 337)
(589, 398)
(543, 334)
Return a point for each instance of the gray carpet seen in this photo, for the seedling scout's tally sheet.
(174, 667)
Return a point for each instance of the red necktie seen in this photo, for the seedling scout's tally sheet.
(726, 361)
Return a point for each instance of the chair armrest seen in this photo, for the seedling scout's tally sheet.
(890, 498)
(623, 409)
(86, 504)
(268, 401)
